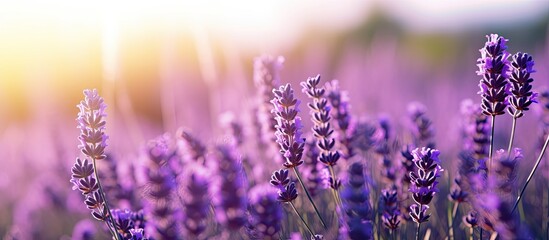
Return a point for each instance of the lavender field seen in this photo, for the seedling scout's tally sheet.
(275, 120)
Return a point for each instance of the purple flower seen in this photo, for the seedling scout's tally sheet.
(421, 127)
(280, 178)
(313, 167)
(91, 123)
(161, 188)
(288, 134)
(423, 181)
(83, 230)
(196, 203)
(471, 219)
(390, 209)
(266, 211)
(288, 194)
(320, 111)
(418, 213)
(522, 95)
(339, 101)
(494, 69)
(92, 139)
(193, 146)
(266, 78)
(456, 193)
(230, 194)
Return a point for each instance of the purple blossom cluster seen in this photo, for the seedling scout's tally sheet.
(191, 188)
(494, 67)
(424, 182)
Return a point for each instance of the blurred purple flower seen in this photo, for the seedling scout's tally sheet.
(84, 230)
(421, 126)
(266, 211)
(390, 213)
(266, 78)
(339, 101)
(357, 203)
(160, 189)
(196, 202)
(230, 192)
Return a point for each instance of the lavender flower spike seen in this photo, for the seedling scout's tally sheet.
(522, 95)
(91, 123)
(92, 139)
(494, 86)
(494, 69)
(288, 134)
(423, 183)
(266, 211)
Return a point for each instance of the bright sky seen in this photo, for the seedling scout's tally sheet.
(34, 32)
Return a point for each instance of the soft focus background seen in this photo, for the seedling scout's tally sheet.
(178, 64)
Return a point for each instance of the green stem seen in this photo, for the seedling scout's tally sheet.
(112, 229)
(491, 144)
(532, 172)
(454, 213)
(417, 233)
(309, 196)
(511, 139)
(302, 220)
(471, 234)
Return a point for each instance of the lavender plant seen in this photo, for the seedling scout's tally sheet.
(266, 78)
(288, 134)
(357, 204)
(320, 112)
(230, 193)
(287, 193)
(494, 88)
(161, 190)
(423, 183)
(521, 96)
(93, 142)
(266, 212)
(196, 201)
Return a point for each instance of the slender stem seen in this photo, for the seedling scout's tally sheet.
(113, 230)
(302, 220)
(511, 139)
(309, 196)
(480, 235)
(491, 144)
(471, 234)
(417, 233)
(532, 172)
(454, 213)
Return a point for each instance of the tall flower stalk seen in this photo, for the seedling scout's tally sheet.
(93, 141)
(494, 87)
(287, 193)
(288, 134)
(423, 183)
(522, 95)
(322, 131)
